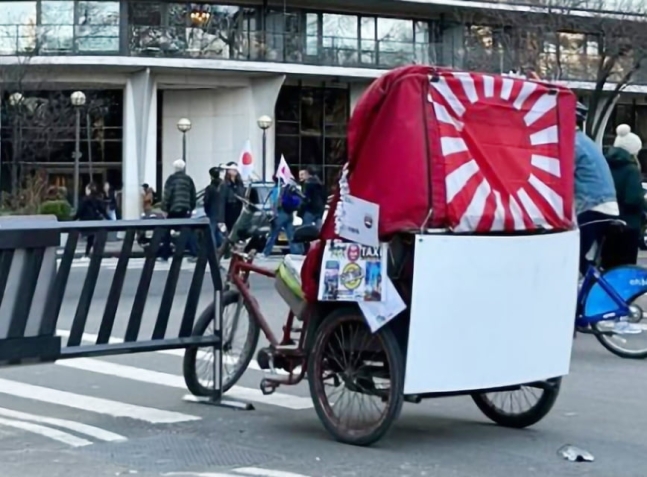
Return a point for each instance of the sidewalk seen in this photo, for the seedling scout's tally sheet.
(111, 250)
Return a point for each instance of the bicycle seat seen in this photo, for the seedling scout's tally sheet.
(306, 233)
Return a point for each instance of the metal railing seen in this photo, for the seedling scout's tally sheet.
(32, 290)
(251, 45)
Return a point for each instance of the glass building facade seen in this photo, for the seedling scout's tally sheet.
(311, 118)
(224, 30)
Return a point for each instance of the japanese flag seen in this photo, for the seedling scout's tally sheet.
(283, 173)
(246, 162)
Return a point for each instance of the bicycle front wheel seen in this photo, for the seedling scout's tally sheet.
(240, 334)
(627, 339)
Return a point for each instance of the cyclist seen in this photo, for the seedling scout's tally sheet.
(595, 193)
(595, 199)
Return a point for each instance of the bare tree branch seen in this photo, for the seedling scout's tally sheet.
(601, 42)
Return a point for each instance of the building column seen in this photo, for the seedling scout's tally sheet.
(595, 115)
(139, 140)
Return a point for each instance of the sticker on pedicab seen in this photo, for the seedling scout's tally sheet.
(352, 272)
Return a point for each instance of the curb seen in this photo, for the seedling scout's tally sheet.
(115, 254)
(135, 254)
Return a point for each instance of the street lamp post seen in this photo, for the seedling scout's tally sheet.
(15, 101)
(264, 122)
(184, 125)
(78, 101)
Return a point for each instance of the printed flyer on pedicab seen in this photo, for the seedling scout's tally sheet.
(357, 273)
(352, 272)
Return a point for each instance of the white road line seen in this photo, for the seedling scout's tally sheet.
(92, 404)
(174, 381)
(54, 434)
(197, 474)
(266, 472)
(92, 338)
(91, 431)
(256, 471)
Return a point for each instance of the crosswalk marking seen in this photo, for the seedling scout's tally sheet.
(249, 471)
(92, 404)
(265, 472)
(48, 432)
(85, 429)
(174, 381)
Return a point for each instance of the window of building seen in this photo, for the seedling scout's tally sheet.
(311, 127)
(18, 27)
(201, 30)
(97, 27)
(59, 27)
(339, 39)
(40, 134)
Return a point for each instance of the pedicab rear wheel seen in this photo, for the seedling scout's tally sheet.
(539, 400)
(346, 356)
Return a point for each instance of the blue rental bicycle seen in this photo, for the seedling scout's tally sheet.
(606, 303)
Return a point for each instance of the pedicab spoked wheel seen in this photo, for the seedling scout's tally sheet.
(521, 407)
(356, 378)
(239, 345)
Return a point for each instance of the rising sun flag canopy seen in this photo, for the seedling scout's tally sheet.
(471, 152)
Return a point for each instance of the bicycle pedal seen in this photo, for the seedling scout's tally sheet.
(267, 387)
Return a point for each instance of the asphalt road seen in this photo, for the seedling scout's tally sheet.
(141, 426)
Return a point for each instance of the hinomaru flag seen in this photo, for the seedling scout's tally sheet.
(246, 162)
(283, 172)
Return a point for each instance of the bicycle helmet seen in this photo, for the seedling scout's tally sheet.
(580, 112)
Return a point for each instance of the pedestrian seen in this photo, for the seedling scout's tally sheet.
(91, 207)
(110, 201)
(314, 202)
(213, 206)
(595, 193)
(284, 200)
(148, 198)
(621, 245)
(178, 203)
(232, 188)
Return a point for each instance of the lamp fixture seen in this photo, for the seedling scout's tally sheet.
(199, 17)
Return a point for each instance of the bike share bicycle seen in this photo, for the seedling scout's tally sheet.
(607, 303)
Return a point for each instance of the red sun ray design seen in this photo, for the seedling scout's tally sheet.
(500, 142)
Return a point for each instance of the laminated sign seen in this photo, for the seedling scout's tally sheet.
(352, 272)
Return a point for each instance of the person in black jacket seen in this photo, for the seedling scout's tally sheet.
(110, 201)
(179, 203)
(213, 205)
(231, 187)
(621, 246)
(314, 204)
(90, 208)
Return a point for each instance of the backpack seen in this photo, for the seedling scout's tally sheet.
(290, 200)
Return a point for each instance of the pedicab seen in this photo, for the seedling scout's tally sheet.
(471, 287)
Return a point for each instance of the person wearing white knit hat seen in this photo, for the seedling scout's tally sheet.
(621, 246)
(178, 202)
(179, 165)
(627, 140)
